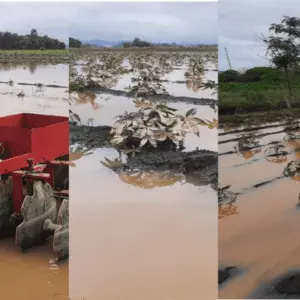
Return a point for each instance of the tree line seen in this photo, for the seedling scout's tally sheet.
(31, 41)
(269, 74)
(136, 43)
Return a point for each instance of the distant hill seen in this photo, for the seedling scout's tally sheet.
(104, 43)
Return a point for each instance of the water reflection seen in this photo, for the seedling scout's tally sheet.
(150, 179)
(226, 202)
(265, 208)
(85, 98)
(25, 65)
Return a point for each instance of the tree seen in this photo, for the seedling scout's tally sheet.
(33, 32)
(74, 43)
(139, 43)
(284, 48)
(10, 40)
(229, 76)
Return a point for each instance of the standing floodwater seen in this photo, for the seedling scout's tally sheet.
(258, 227)
(144, 222)
(34, 88)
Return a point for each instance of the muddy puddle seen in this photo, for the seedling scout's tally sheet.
(258, 231)
(33, 275)
(34, 88)
(146, 224)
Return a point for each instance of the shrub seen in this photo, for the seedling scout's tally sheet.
(229, 76)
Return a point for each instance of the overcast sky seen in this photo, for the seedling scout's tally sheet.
(187, 22)
(240, 24)
(47, 18)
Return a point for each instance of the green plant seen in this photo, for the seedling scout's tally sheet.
(155, 123)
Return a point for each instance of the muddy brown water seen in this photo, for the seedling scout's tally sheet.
(33, 275)
(144, 235)
(259, 233)
(137, 243)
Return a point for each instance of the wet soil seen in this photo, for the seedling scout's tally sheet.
(90, 136)
(156, 97)
(202, 164)
(227, 120)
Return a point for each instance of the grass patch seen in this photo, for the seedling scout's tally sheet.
(47, 52)
(262, 95)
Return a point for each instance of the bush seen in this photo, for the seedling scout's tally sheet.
(229, 76)
(260, 70)
(274, 76)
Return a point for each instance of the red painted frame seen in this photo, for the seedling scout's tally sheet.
(32, 136)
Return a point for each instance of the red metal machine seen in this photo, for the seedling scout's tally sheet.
(29, 145)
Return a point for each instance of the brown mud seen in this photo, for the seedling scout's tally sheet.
(200, 163)
(156, 97)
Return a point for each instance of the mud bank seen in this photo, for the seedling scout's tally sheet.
(90, 136)
(157, 97)
(228, 120)
(200, 164)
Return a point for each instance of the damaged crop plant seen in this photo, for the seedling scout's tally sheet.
(152, 136)
(155, 124)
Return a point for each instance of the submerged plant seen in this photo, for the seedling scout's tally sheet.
(292, 169)
(276, 153)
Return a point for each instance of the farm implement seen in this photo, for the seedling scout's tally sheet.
(34, 172)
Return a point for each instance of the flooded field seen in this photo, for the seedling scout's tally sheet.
(34, 88)
(258, 213)
(42, 89)
(141, 229)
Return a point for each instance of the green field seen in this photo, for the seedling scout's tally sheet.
(258, 94)
(50, 52)
(266, 94)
